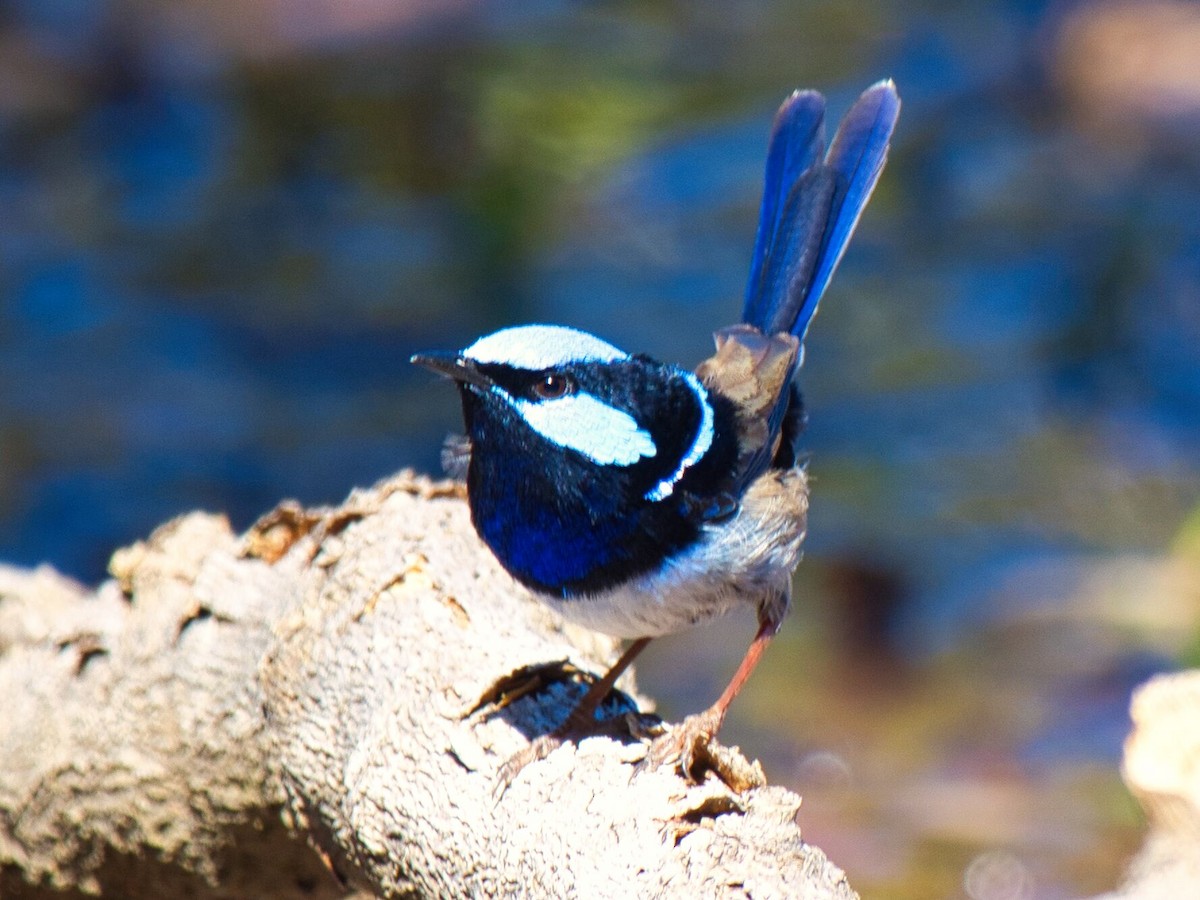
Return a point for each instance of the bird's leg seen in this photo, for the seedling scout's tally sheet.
(579, 724)
(583, 715)
(686, 744)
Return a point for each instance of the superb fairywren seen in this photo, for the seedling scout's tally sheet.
(638, 498)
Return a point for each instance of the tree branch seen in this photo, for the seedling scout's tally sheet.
(330, 678)
(1162, 768)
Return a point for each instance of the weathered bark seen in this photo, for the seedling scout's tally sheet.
(187, 728)
(1162, 769)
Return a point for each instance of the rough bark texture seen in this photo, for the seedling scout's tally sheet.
(190, 726)
(1162, 769)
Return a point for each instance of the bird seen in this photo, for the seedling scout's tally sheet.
(639, 498)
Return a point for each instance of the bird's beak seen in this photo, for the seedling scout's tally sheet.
(453, 366)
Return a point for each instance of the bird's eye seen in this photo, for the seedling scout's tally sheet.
(551, 387)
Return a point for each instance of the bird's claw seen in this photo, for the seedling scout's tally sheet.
(571, 731)
(682, 746)
(690, 749)
(537, 749)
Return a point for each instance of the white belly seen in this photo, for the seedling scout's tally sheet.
(747, 560)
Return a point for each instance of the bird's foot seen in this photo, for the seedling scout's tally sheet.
(582, 721)
(574, 730)
(537, 749)
(691, 749)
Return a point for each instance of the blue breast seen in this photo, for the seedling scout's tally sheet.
(556, 555)
(570, 538)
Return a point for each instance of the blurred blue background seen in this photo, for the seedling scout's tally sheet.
(225, 225)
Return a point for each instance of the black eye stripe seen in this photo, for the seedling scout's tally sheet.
(531, 385)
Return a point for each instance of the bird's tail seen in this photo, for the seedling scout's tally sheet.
(811, 202)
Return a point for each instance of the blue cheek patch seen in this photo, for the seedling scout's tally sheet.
(581, 422)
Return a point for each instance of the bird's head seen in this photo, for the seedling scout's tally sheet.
(581, 455)
(578, 410)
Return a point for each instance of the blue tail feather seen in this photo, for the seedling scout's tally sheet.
(812, 202)
(797, 143)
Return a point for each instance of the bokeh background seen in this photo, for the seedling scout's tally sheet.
(226, 224)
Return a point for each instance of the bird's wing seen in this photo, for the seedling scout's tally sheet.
(753, 371)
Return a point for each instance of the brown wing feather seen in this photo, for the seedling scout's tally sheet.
(754, 371)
